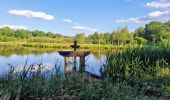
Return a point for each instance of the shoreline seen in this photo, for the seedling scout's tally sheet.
(64, 46)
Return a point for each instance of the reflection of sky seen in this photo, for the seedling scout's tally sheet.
(94, 64)
(49, 60)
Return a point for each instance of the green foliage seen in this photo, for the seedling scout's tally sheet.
(49, 34)
(157, 32)
(139, 58)
(154, 32)
(31, 84)
(23, 34)
(140, 40)
(7, 32)
(121, 36)
(145, 68)
(38, 33)
(80, 37)
(139, 31)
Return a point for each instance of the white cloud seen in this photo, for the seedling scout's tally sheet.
(135, 20)
(158, 13)
(83, 28)
(153, 16)
(160, 4)
(31, 14)
(14, 27)
(162, 14)
(67, 20)
(79, 28)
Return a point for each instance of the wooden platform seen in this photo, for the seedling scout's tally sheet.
(74, 53)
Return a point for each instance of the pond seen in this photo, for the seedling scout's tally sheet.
(18, 56)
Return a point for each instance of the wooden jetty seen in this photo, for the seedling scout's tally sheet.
(75, 54)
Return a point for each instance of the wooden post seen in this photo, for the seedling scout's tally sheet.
(75, 63)
(67, 66)
(82, 63)
(75, 53)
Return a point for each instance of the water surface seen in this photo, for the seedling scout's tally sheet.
(18, 56)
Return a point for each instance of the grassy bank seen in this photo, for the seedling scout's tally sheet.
(146, 68)
(31, 84)
(64, 46)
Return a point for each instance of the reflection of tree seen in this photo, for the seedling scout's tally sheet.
(10, 50)
(98, 54)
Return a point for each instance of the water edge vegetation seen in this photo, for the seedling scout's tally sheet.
(137, 73)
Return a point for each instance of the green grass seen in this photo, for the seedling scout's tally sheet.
(67, 46)
(30, 84)
(146, 68)
(64, 45)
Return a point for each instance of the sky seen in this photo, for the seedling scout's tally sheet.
(70, 17)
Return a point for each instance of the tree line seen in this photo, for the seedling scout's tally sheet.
(154, 32)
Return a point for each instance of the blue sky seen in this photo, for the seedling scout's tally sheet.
(69, 17)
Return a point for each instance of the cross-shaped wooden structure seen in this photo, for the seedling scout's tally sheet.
(75, 53)
(75, 46)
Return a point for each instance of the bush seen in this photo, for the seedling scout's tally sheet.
(140, 40)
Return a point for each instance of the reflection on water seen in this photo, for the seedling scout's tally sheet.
(17, 56)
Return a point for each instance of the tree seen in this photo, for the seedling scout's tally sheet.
(153, 31)
(157, 32)
(139, 31)
(107, 39)
(140, 40)
(49, 34)
(167, 23)
(6, 31)
(96, 38)
(23, 34)
(80, 37)
(123, 36)
(38, 33)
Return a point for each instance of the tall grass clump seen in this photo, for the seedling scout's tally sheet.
(34, 83)
(146, 68)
